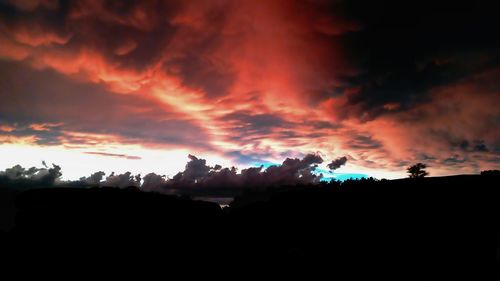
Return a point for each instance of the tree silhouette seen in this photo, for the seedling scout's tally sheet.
(492, 173)
(417, 170)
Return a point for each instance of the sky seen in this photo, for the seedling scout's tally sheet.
(139, 85)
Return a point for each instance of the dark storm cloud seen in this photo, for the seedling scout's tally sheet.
(42, 17)
(130, 33)
(259, 123)
(20, 178)
(199, 73)
(337, 163)
(364, 142)
(476, 146)
(480, 146)
(94, 179)
(131, 36)
(246, 127)
(320, 125)
(113, 180)
(406, 48)
(195, 170)
(114, 28)
(455, 159)
(153, 182)
(292, 171)
(122, 180)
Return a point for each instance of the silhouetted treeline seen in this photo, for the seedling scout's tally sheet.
(412, 229)
(491, 173)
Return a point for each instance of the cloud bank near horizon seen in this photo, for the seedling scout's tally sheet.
(197, 175)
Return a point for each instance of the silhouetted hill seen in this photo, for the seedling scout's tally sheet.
(443, 228)
(8, 208)
(106, 210)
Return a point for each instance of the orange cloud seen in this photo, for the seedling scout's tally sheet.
(455, 124)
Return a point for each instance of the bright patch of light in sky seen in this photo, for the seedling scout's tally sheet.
(75, 163)
(329, 175)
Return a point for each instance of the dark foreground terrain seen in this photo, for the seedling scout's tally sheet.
(413, 229)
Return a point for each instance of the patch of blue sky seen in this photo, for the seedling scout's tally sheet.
(327, 174)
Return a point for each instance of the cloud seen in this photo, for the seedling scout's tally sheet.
(211, 48)
(197, 175)
(360, 141)
(31, 5)
(337, 163)
(93, 180)
(253, 80)
(295, 170)
(195, 170)
(430, 47)
(114, 155)
(85, 109)
(21, 178)
(245, 128)
(43, 134)
(122, 180)
(458, 123)
(153, 182)
(292, 171)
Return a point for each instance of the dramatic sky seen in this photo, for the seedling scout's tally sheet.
(138, 85)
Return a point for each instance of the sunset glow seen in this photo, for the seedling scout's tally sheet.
(138, 85)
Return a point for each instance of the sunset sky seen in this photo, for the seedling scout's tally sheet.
(139, 85)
